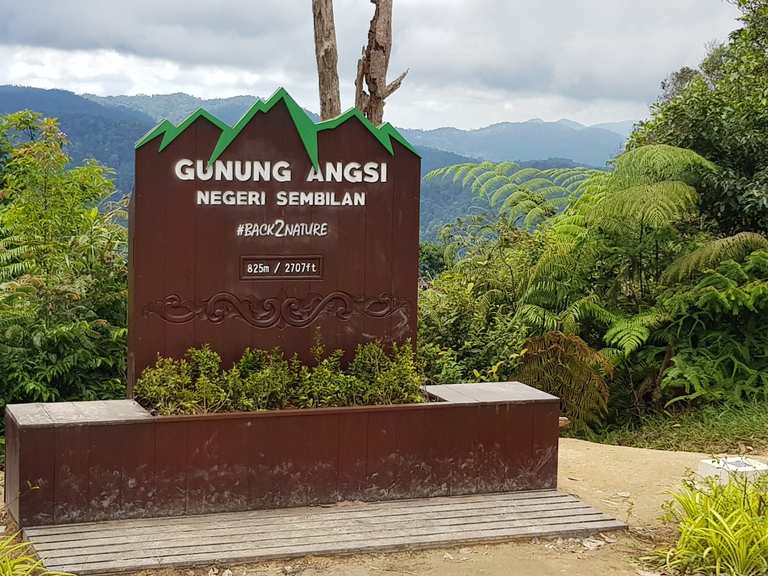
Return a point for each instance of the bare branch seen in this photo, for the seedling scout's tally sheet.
(395, 84)
(361, 96)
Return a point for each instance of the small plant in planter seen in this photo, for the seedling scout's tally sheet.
(267, 380)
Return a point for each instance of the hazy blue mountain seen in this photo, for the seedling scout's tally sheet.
(530, 140)
(623, 128)
(105, 133)
(176, 107)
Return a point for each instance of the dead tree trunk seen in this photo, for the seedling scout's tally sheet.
(327, 58)
(372, 66)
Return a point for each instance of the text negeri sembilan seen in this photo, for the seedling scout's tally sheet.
(280, 171)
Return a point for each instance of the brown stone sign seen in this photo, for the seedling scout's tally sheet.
(270, 232)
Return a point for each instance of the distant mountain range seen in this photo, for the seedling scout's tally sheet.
(94, 131)
(519, 141)
(106, 128)
(175, 107)
(531, 140)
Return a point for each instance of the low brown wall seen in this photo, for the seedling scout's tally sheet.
(84, 461)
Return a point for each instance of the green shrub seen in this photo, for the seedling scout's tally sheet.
(267, 380)
(260, 380)
(723, 529)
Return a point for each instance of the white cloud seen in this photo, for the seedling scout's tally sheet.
(472, 62)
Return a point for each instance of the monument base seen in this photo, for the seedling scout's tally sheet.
(90, 461)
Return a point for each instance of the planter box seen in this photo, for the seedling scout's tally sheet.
(87, 461)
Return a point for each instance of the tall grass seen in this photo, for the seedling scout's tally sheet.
(709, 429)
(722, 529)
(16, 559)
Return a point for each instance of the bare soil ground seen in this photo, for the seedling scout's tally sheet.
(628, 483)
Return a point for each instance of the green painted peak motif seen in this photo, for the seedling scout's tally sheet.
(305, 126)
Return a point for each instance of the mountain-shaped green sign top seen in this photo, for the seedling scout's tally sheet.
(305, 126)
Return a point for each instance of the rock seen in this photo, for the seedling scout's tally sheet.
(448, 556)
(623, 494)
(213, 571)
(592, 543)
(227, 572)
(465, 551)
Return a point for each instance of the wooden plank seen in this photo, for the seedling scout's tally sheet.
(488, 392)
(287, 514)
(204, 545)
(262, 535)
(236, 520)
(340, 548)
(156, 535)
(252, 526)
(523, 498)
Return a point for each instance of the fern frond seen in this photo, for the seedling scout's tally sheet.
(524, 175)
(736, 247)
(629, 334)
(489, 186)
(658, 162)
(502, 192)
(566, 366)
(657, 205)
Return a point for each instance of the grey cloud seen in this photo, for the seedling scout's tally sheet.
(582, 50)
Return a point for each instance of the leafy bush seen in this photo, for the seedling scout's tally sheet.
(723, 529)
(266, 380)
(63, 273)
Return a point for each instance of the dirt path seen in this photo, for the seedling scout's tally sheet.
(629, 483)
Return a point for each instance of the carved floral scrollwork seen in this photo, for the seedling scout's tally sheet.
(276, 312)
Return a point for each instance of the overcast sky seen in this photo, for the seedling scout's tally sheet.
(472, 62)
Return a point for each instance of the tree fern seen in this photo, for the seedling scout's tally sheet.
(489, 186)
(566, 366)
(736, 247)
(502, 193)
(657, 163)
(656, 204)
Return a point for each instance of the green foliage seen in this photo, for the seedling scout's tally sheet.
(722, 348)
(266, 380)
(62, 271)
(17, 559)
(736, 247)
(432, 260)
(622, 301)
(564, 365)
(710, 429)
(721, 112)
(722, 528)
(527, 197)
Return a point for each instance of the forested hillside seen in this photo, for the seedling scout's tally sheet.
(106, 134)
(176, 107)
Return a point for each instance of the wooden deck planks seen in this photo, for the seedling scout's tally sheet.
(116, 546)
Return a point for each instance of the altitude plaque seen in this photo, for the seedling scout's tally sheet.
(270, 232)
